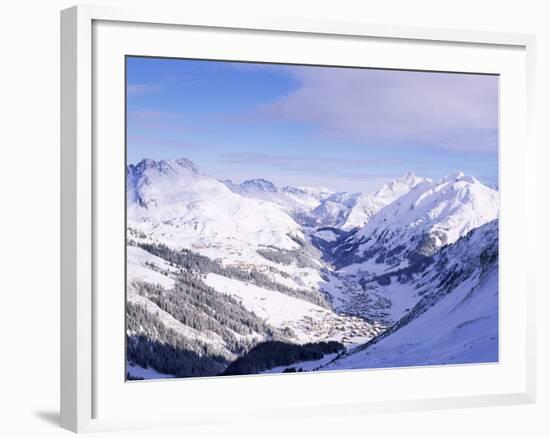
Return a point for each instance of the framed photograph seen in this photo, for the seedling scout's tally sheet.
(283, 218)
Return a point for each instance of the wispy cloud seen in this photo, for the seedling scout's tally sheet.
(439, 110)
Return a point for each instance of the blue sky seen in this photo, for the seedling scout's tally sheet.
(346, 129)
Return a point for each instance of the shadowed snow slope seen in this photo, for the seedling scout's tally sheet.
(455, 321)
(462, 328)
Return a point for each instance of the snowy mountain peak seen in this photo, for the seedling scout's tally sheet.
(432, 215)
(296, 201)
(318, 192)
(184, 163)
(458, 176)
(408, 177)
(401, 185)
(259, 184)
(164, 166)
(366, 206)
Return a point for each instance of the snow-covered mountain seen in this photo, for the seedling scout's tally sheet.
(347, 211)
(334, 210)
(242, 259)
(366, 206)
(216, 268)
(377, 266)
(172, 202)
(419, 223)
(320, 207)
(297, 201)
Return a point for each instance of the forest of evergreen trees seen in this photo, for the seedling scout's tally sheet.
(202, 308)
(189, 261)
(271, 354)
(288, 257)
(153, 345)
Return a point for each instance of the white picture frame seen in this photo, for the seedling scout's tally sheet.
(85, 174)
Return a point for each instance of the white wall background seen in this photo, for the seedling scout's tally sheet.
(29, 218)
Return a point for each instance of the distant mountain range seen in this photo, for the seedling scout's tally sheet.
(318, 206)
(406, 275)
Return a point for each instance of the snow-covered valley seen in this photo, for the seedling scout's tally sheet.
(407, 275)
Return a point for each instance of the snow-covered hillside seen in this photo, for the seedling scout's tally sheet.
(306, 321)
(456, 319)
(171, 201)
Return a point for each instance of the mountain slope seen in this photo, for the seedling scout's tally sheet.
(212, 273)
(176, 204)
(456, 318)
(294, 200)
(347, 211)
(366, 206)
(378, 267)
(419, 223)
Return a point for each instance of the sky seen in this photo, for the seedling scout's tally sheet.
(348, 129)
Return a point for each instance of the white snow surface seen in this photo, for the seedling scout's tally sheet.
(138, 270)
(146, 373)
(277, 308)
(461, 328)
